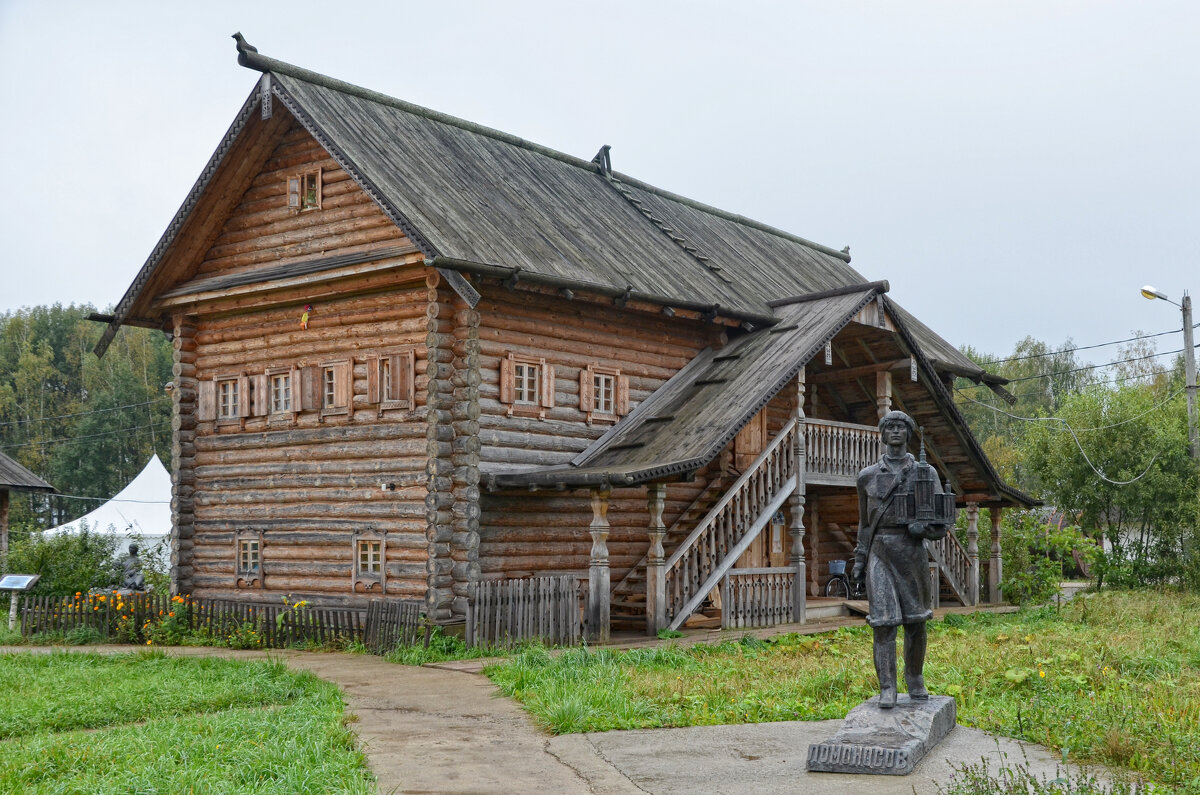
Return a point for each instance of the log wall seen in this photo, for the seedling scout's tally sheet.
(527, 534)
(263, 230)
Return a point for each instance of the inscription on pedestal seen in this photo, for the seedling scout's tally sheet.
(885, 742)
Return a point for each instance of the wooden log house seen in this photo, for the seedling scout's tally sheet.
(412, 352)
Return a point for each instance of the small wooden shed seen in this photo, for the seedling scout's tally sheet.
(14, 477)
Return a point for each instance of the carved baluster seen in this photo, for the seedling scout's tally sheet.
(599, 615)
(973, 551)
(796, 503)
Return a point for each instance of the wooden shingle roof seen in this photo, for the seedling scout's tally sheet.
(17, 478)
(476, 199)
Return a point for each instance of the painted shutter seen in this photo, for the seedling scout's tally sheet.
(261, 404)
(343, 384)
(207, 409)
(506, 380)
(243, 396)
(308, 379)
(622, 386)
(587, 390)
(374, 391)
(548, 386)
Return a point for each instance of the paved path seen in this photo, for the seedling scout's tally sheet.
(445, 730)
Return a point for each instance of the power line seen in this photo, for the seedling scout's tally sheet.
(110, 499)
(1078, 444)
(1083, 347)
(84, 413)
(1154, 374)
(77, 438)
(1078, 369)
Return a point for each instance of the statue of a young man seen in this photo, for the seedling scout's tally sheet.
(891, 555)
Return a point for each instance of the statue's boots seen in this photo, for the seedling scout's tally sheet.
(885, 665)
(914, 661)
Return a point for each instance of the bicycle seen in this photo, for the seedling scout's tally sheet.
(838, 585)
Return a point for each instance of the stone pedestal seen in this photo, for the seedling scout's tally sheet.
(885, 741)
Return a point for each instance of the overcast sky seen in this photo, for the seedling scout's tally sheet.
(1013, 168)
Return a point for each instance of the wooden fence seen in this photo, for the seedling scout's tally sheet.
(503, 612)
(133, 617)
(757, 597)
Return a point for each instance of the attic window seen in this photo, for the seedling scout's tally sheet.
(304, 191)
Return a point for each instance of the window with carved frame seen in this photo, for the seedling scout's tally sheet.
(369, 569)
(603, 393)
(526, 385)
(248, 558)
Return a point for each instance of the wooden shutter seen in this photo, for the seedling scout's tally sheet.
(343, 384)
(207, 408)
(622, 387)
(374, 391)
(397, 376)
(308, 379)
(243, 384)
(406, 367)
(548, 386)
(293, 191)
(261, 403)
(506, 379)
(587, 390)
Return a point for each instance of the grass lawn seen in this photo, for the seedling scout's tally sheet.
(147, 723)
(1114, 678)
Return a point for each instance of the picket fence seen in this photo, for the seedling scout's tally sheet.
(504, 612)
(381, 627)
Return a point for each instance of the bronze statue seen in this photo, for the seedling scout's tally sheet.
(131, 571)
(899, 506)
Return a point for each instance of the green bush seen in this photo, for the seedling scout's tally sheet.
(67, 563)
(1034, 553)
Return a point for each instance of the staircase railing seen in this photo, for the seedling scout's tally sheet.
(955, 566)
(728, 529)
(839, 448)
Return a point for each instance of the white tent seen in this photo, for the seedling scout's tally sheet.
(141, 512)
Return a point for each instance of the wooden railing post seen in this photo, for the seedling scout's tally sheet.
(973, 550)
(656, 574)
(599, 616)
(996, 564)
(883, 392)
(796, 502)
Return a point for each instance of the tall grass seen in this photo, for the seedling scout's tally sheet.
(1113, 678)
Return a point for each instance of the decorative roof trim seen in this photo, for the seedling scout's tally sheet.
(881, 286)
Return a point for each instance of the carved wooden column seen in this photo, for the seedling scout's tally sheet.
(883, 392)
(973, 551)
(599, 616)
(3, 531)
(796, 505)
(656, 573)
(995, 565)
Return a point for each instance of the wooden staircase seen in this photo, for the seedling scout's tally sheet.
(955, 568)
(628, 600)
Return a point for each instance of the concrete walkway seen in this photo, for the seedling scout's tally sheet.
(444, 729)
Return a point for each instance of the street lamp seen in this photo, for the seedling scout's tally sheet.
(1189, 359)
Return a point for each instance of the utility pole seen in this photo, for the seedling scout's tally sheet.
(1189, 371)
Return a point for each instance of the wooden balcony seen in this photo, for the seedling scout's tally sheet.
(837, 451)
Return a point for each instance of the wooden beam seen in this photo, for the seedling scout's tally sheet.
(854, 372)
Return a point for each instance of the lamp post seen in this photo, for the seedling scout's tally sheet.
(1189, 359)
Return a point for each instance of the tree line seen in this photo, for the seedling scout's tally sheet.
(86, 425)
(1104, 446)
